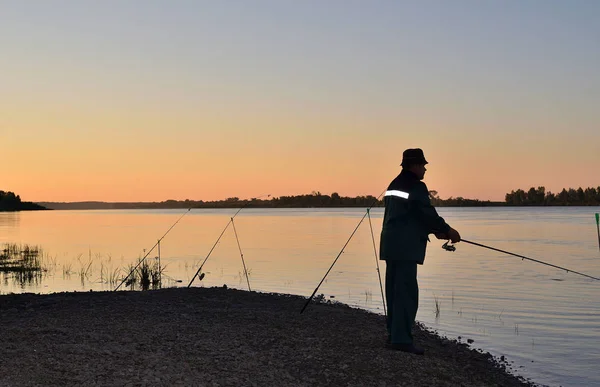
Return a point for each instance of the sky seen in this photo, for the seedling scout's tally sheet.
(147, 100)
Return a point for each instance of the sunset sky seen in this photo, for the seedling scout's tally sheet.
(152, 100)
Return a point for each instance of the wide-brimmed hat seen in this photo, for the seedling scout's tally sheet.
(413, 156)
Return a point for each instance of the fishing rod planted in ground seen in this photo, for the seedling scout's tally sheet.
(340, 253)
(219, 238)
(153, 247)
(241, 254)
(453, 248)
(598, 228)
(377, 263)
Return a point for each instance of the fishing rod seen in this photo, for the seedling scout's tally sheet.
(340, 253)
(598, 228)
(377, 264)
(219, 238)
(241, 254)
(453, 248)
(153, 247)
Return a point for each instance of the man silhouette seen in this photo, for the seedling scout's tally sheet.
(408, 220)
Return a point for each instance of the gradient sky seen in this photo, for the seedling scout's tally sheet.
(152, 100)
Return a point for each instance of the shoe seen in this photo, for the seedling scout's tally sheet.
(410, 348)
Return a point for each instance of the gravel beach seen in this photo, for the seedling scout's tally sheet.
(219, 337)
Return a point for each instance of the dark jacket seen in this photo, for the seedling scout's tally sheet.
(408, 220)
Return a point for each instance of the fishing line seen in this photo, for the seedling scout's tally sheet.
(153, 247)
(340, 253)
(219, 238)
(452, 248)
(377, 262)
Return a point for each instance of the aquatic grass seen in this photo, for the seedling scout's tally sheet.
(106, 270)
(241, 276)
(149, 274)
(102, 273)
(67, 269)
(113, 277)
(368, 295)
(23, 263)
(28, 278)
(146, 274)
(48, 262)
(85, 267)
(34, 264)
(155, 277)
(14, 258)
(437, 306)
(132, 280)
(108, 274)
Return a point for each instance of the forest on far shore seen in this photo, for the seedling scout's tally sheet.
(11, 202)
(567, 197)
(532, 197)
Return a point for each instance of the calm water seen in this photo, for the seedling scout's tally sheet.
(544, 320)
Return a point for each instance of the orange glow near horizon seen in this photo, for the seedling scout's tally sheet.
(139, 160)
(247, 165)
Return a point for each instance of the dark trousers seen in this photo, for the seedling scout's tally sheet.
(402, 297)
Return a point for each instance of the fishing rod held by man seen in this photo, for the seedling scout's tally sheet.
(453, 248)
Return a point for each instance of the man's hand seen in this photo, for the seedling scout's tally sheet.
(453, 235)
(441, 235)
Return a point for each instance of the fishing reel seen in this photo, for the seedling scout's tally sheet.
(448, 247)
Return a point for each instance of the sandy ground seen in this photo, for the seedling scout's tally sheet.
(218, 337)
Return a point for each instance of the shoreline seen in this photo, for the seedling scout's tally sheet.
(219, 336)
(118, 206)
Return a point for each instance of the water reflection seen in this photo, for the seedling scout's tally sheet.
(9, 220)
(22, 264)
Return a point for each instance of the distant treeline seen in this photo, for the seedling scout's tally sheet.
(11, 202)
(316, 199)
(460, 201)
(312, 200)
(567, 197)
